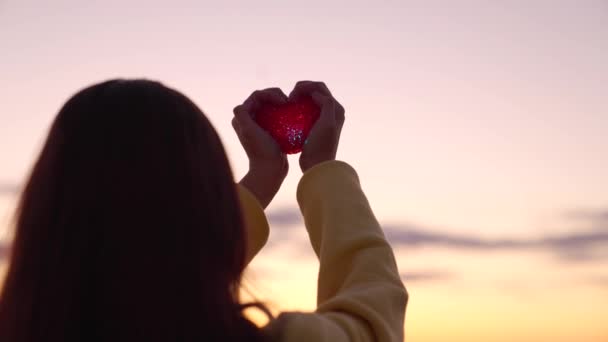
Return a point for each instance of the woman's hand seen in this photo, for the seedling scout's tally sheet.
(322, 142)
(268, 165)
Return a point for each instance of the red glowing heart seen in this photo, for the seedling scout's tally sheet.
(289, 124)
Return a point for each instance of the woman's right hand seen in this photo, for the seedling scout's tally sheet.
(322, 142)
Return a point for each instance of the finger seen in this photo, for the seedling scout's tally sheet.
(340, 113)
(269, 95)
(235, 125)
(304, 88)
(242, 114)
(275, 95)
(239, 132)
(327, 105)
(246, 126)
(340, 125)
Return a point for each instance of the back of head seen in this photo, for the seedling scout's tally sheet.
(129, 227)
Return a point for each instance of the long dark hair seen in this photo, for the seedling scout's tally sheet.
(129, 227)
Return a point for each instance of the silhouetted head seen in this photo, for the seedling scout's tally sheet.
(129, 227)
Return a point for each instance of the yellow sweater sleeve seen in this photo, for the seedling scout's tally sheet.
(256, 224)
(360, 294)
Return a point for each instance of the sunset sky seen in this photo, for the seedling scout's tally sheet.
(478, 129)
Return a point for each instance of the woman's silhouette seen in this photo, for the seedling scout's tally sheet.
(131, 228)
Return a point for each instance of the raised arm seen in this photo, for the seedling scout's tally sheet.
(256, 224)
(267, 167)
(360, 295)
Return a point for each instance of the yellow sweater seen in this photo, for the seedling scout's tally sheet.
(360, 296)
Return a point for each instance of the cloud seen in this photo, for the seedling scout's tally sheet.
(575, 246)
(285, 217)
(425, 276)
(419, 235)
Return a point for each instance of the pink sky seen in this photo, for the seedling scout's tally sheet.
(473, 119)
